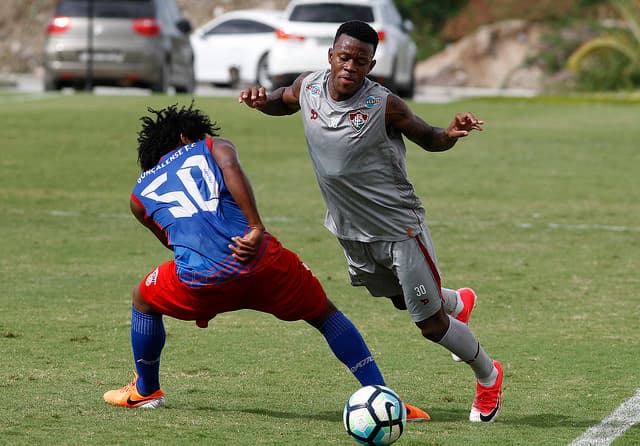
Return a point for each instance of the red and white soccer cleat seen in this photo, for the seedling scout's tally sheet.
(488, 401)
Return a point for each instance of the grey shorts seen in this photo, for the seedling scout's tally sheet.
(406, 267)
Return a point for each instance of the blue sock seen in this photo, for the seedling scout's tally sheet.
(349, 347)
(147, 340)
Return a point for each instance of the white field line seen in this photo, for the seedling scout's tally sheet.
(283, 219)
(74, 214)
(522, 225)
(12, 99)
(542, 225)
(613, 426)
(584, 226)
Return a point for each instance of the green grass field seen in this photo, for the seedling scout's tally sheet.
(540, 213)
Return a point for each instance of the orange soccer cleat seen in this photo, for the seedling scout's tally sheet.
(128, 396)
(416, 414)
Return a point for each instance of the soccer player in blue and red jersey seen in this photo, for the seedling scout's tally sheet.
(194, 196)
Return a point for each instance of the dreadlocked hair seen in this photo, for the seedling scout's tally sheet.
(162, 135)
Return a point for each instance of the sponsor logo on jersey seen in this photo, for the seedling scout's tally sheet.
(314, 114)
(358, 120)
(151, 278)
(314, 89)
(372, 101)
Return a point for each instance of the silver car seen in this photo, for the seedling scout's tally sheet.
(141, 43)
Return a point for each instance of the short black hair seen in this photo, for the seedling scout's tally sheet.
(359, 30)
(162, 135)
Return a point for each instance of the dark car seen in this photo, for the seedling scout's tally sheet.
(140, 43)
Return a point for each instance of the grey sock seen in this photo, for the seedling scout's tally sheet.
(459, 339)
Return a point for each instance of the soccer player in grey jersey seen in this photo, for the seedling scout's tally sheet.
(354, 129)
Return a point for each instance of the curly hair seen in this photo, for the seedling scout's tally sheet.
(162, 135)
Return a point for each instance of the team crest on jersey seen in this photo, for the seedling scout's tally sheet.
(151, 278)
(314, 89)
(358, 120)
(372, 101)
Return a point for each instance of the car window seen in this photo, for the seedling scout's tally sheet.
(107, 8)
(240, 26)
(331, 13)
(164, 14)
(172, 9)
(392, 14)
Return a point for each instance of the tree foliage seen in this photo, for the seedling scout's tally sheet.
(428, 18)
(613, 58)
(433, 13)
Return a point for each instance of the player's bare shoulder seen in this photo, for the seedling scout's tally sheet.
(222, 143)
(399, 115)
(291, 96)
(224, 151)
(397, 109)
(297, 84)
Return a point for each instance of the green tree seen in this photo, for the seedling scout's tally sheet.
(428, 18)
(611, 60)
(434, 12)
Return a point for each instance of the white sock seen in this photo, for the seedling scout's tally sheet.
(459, 305)
(452, 302)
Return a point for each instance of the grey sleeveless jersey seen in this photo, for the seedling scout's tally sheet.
(360, 168)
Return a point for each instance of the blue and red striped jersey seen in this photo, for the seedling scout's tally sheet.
(185, 195)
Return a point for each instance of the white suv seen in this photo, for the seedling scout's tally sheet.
(308, 30)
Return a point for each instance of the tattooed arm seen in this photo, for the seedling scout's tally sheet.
(434, 139)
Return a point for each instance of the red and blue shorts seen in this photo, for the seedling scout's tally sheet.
(282, 286)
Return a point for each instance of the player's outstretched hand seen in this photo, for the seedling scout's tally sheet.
(462, 124)
(254, 97)
(247, 246)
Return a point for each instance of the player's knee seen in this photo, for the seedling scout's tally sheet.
(319, 321)
(435, 327)
(139, 303)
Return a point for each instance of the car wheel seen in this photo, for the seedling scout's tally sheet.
(50, 84)
(409, 90)
(83, 86)
(162, 84)
(190, 85)
(262, 73)
(390, 82)
(234, 77)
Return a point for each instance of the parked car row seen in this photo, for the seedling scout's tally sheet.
(149, 43)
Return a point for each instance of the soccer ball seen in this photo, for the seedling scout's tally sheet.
(374, 415)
